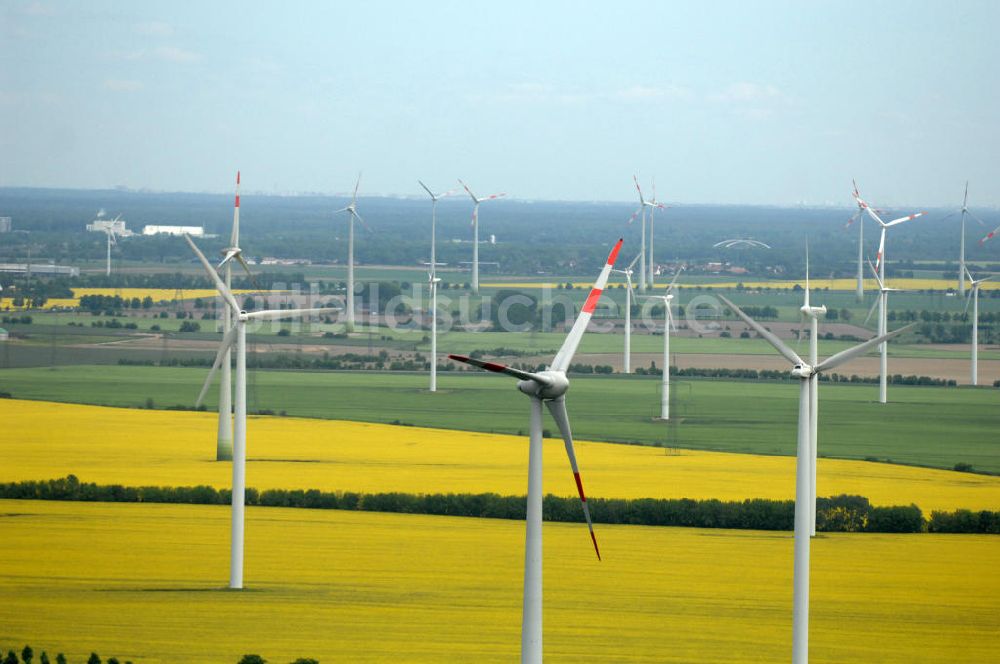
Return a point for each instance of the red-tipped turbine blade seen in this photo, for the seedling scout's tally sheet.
(501, 368)
(558, 409)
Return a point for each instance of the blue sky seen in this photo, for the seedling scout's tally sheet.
(722, 102)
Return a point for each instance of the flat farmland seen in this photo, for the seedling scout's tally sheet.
(929, 426)
(131, 580)
(140, 447)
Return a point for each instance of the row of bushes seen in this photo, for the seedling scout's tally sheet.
(28, 657)
(835, 514)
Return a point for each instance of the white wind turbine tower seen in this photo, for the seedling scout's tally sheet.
(110, 232)
(236, 336)
(475, 232)
(224, 439)
(974, 284)
(352, 214)
(654, 204)
(813, 314)
(880, 264)
(803, 490)
(643, 204)
(433, 281)
(964, 211)
(548, 387)
(629, 294)
(668, 322)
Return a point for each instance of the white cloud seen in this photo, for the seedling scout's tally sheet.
(654, 93)
(155, 28)
(122, 85)
(174, 54)
(750, 93)
(38, 9)
(520, 93)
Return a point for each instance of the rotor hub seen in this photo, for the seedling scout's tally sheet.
(558, 386)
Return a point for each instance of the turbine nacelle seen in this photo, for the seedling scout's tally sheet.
(813, 312)
(554, 385)
(803, 370)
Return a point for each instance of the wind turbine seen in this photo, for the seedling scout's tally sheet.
(352, 214)
(224, 440)
(548, 387)
(803, 485)
(110, 232)
(433, 281)
(964, 211)
(880, 264)
(668, 322)
(654, 204)
(974, 297)
(813, 314)
(629, 293)
(859, 216)
(475, 232)
(643, 204)
(237, 336)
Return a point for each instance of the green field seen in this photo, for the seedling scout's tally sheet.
(929, 426)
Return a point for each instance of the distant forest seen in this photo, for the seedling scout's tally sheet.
(553, 238)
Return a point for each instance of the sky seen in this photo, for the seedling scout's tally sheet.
(765, 102)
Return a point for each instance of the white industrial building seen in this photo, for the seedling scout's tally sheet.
(116, 226)
(196, 231)
(5, 225)
(39, 268)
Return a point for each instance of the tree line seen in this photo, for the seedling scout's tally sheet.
(842, 513)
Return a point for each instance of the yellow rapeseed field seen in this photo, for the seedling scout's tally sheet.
(43, 440)
(145, 582)
(832, 284)
(158, 295)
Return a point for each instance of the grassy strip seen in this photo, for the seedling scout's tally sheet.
(835, 514)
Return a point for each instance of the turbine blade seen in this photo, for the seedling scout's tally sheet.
(981, 222)
(851, 353)
(872, 310)
(673, 281)
(234, 237)
(230, 254)
(494, 196)
(634, 215)
(965, 199)
(878, 278)
(246, 268)
(354, 198)
(968, 299)
(221, 287)
(279, 314)
(642, 201)
(778, 344)
(881, 249)
(565, 354)
(501, 368)
(989, 236)
(558, 409)
(903, 219)
(363, 222)
(228, 339)
(634, 261)
(468, 191)
(427, 190)
(854, 217)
